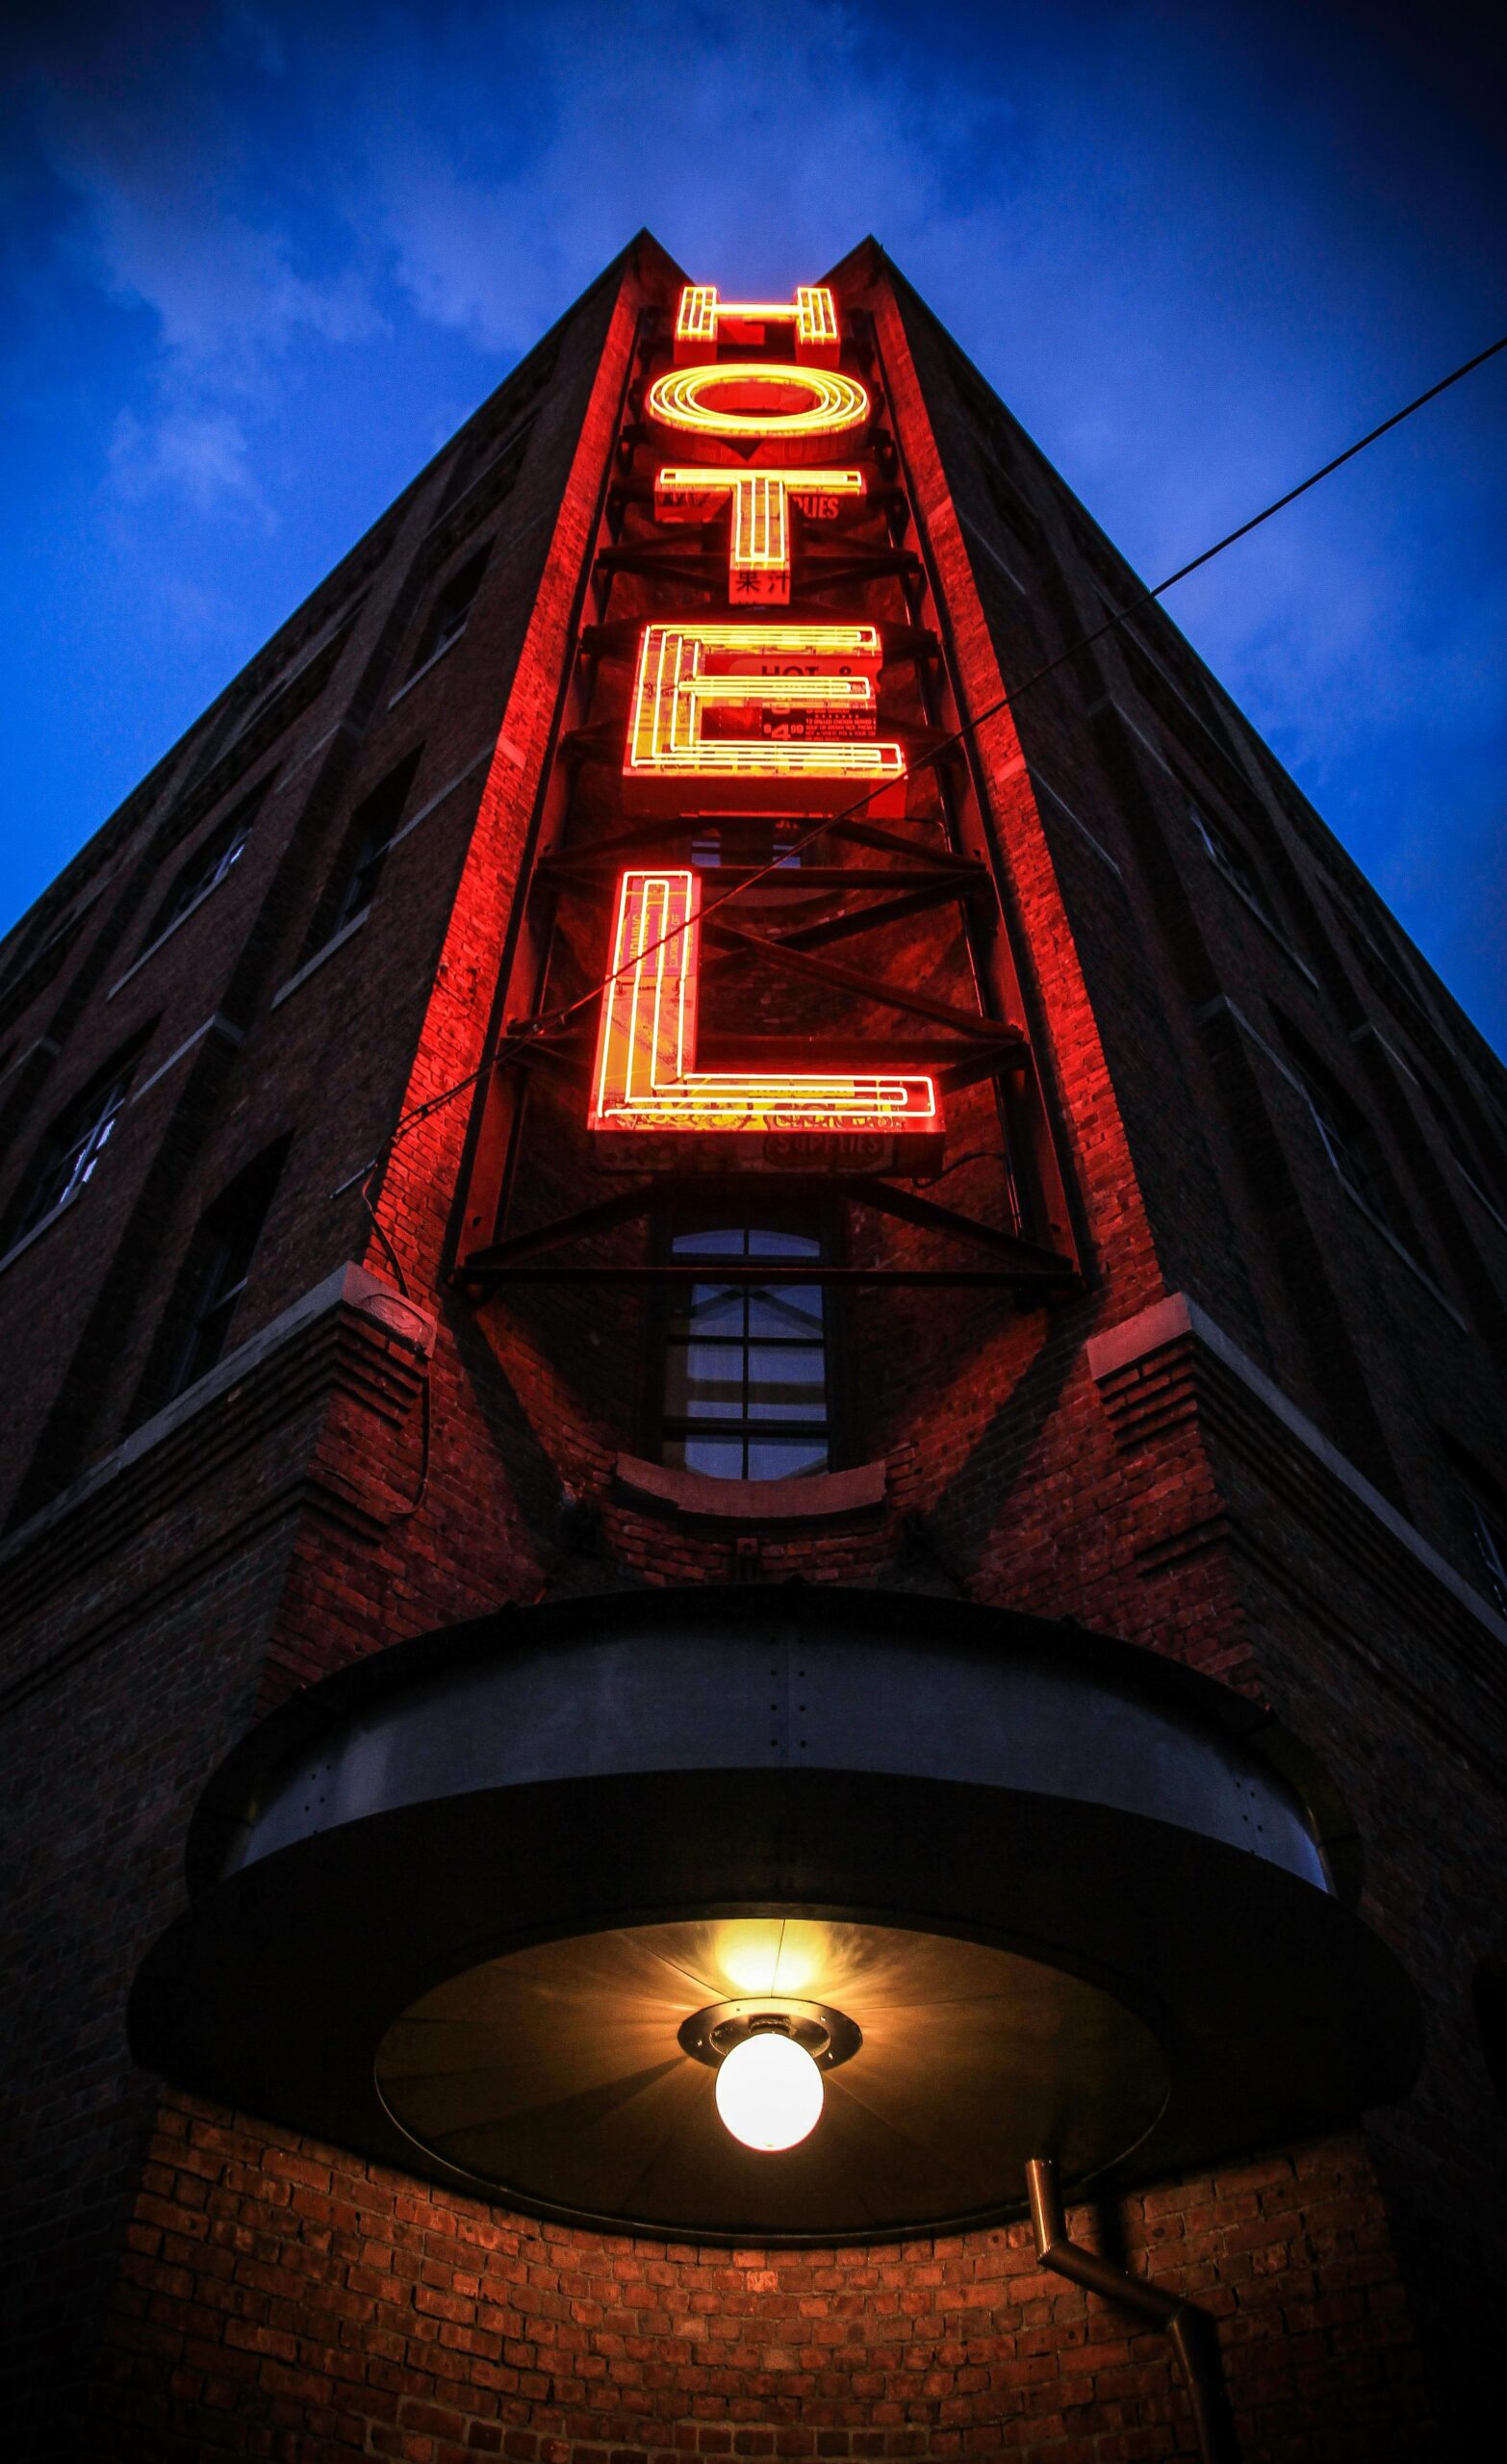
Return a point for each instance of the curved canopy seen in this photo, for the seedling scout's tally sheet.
(453, 1906)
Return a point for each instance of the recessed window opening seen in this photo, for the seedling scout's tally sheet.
(452, 604)
(374, 826)
(1381, 964)
(32, 958)
(220, 1263)
(1373, 932)
(362, 875)
(1348, 1151)
(1489, 1993)
(72, 1148)
(1224, 850)
(746, 1384)
(209, 864)
(1463, 1154)
(1474, 1175)
(1348, 1140)
(1017, 516)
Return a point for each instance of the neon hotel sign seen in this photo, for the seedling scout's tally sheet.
(750, 716)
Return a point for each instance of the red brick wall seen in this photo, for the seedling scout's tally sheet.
(278, 2299)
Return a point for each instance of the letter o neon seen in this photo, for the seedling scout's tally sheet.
(833, 403)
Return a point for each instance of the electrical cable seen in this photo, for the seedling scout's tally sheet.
(529, 1029)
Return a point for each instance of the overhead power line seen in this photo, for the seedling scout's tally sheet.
(551, 1019)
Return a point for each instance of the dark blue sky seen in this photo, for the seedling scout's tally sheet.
(259, 260)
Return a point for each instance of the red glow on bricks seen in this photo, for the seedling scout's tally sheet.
(646, 1076)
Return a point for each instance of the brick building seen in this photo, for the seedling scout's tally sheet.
(332, 1323)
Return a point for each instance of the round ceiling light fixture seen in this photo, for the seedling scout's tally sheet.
(768, 2057)
(769, 2091)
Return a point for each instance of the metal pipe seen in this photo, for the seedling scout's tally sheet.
(1189, 2330)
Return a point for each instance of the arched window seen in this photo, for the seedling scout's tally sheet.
(746, 1391)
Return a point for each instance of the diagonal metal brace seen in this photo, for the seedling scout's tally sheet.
(912, 1208)
(605, 1217)
(868, 988)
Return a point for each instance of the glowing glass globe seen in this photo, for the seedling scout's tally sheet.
(769, 2091)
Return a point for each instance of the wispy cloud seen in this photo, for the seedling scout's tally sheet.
(201, 455)
(743, 146)
(180, 208)
(1193, 251)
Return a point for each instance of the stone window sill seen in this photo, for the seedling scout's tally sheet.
(816, 1495)
(1420, 1273)
(18, 1248)
(152, 947)
(419, 673)
(1268, 923)
(327, 950)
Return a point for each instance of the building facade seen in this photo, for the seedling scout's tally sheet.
(1107, 1228)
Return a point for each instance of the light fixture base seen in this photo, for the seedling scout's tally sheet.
(829, 2036)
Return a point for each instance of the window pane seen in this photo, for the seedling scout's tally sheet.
(92, 1147)
(704, 1382)
(361, 882)
(715, 1309)
(787, 1309)
(207, 1340)
(786, 1383)
(724, 1244)
(785, 1458)
(68, 1164)
(720, 1457)
(220, 1265)
(765, 1243)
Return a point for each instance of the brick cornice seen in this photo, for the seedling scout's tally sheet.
(1171, 1366)
(352, 1336)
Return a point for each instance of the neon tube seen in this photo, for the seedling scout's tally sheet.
(815, 683)
(645, 1077)
(759, 566)
(767, 400)
(702, 316)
